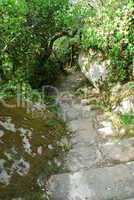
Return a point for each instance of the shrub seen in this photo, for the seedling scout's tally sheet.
(111, 31)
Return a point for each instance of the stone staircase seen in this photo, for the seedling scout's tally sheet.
(86, 178)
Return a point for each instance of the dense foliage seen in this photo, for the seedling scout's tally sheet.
(27, 32)
(33, 50)
(111, 31)
(38, 39)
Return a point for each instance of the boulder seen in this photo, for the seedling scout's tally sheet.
(122, 98)
(126, 105)
(109, 125)
(94, 67)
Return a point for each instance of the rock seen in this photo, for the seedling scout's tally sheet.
(109, 127)
(116, 89)
(84, 153)
(122, 98)
(118, 151)
(82, 157)
(57, 162)
(1, 133)
(95, 184)
(4, 176)
(110, 121)
(97, 73)
(40, 150)
(106, 131)
(25, 132)
(122, 131)
(50, 147)
(8, 125)
(84, 102)
(41, 181)
(21, 167)
(126, 106)
(27, 145)
(95, 70)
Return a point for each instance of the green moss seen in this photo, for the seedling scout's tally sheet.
(127, 119)
(47, 131)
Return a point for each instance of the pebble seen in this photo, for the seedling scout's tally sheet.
(50, 146)
(1, 133)
(39, 150)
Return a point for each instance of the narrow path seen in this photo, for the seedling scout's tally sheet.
(86, 178)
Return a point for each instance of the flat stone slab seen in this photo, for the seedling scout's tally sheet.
(84, 153)
(118, 151)
(82, 158)
(109, 183)
(130, 199)
(84, 132)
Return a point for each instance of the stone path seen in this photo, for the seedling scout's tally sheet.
(87, 176)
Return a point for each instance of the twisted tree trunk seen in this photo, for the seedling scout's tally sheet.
(49, 47)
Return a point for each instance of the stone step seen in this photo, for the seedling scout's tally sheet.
(84, 153)
(82, 158)
(76, 112)
(109, 183)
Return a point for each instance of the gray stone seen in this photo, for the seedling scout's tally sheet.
(94, 70)
(85, 179)
(84, 157)
(4, 176)
(1, 133)
(21, 166)
(118, 151)
(8, 125)
(84, 152)
(84, 102)
(130, 199)
(95, 184)
(126, 105)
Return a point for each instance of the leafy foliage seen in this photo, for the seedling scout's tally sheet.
(26, 29)
(127, 119)
(34, 42)
(111, 31)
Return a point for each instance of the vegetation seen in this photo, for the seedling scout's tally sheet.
(113, 35)
(128, 119)
(44, 134)
(38, 40)
(28, 30)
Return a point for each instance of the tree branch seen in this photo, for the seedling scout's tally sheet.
(49, 49)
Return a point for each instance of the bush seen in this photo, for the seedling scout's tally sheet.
(111, 31)
(26, 29)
